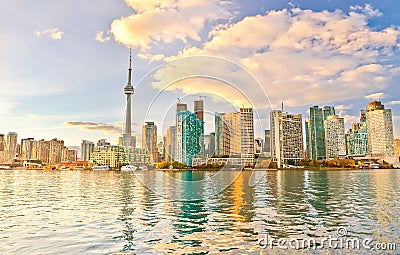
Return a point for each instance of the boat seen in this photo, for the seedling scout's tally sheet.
(143, 167)
(128, 168)
(78, 168)
(64, 168)
(49, 168)
(101, 168)
(5, 167)
(396, 166)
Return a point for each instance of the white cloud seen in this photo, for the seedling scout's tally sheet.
(166, 21)
(367, 9)
(394, 103)
(376, 96)
(53, 33)
(100, 37)
(305, 56)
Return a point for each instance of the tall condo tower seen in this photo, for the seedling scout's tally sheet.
(128, 90)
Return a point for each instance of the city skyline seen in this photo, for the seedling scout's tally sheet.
(63, 80)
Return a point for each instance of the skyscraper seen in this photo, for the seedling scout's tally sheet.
(55, 151)
(149, 139)
(218, 133)
(199, 109)
(170, 142)
(28, 148)
(11, 144)
(238, 135)
(128, 90)
(335, 141)
(315, 137)
(357, 137)
(286, 137)
(380, 130)
(87, 148)
(267, 143)
(190, 131)
(2, 142)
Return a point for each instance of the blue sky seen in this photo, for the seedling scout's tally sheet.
(64, 63)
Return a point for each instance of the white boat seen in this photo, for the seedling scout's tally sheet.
(101, 168)
(143, 168)
(5, 167)
(64, 168)
(128, 168)
(396, 166)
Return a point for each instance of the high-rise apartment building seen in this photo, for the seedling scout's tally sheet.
(87, 148)
(335, 141)
(189, 137)
(238, 135)
(286, 137)
(199, 109)
(29, 149)
(43, 151)
(315, 131)
(380, 130)
(2, 142)
(267, 143)
(170, 141)
(55, 151)
(357, 138)
(397, 148)
(11, 144)
(149, 139)
(218, 133)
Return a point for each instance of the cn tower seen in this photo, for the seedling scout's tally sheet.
(128, 90)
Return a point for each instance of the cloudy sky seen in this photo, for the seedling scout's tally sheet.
(64, 63)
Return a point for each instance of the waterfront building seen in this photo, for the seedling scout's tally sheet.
(258, 145)
(209, 144)
(11, 144)
(28, 149)
(286, 137)
(68, 155)
(170, 141)
(199, 109)
(218, 133)
(380, 130)
(2, 142)
(87, 148)
(55, 151)
(103, 142)
(149, 139)
(315, 131)
(128, 91)
(397, 148)
(357, 138)
(160, 150)
(267, 143)
(180, 107)
(238, 134)
(43, 151)
(189, 134)
(116, 156)
(335, 142)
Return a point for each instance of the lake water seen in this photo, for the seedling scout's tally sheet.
(96, 212)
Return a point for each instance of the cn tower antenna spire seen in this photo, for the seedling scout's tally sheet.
(130, 67)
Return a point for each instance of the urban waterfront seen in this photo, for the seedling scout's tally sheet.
(53, 212)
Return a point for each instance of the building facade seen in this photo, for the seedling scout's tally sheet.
(116, 156)
(286, 137)
(380, 130)
(149, 139)
(315, 131)
(357, 138)
(397, 148)
(190, 131)
(170, 141)
(11, 145)
(87, 148)
(335, 141)
(218, 133)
